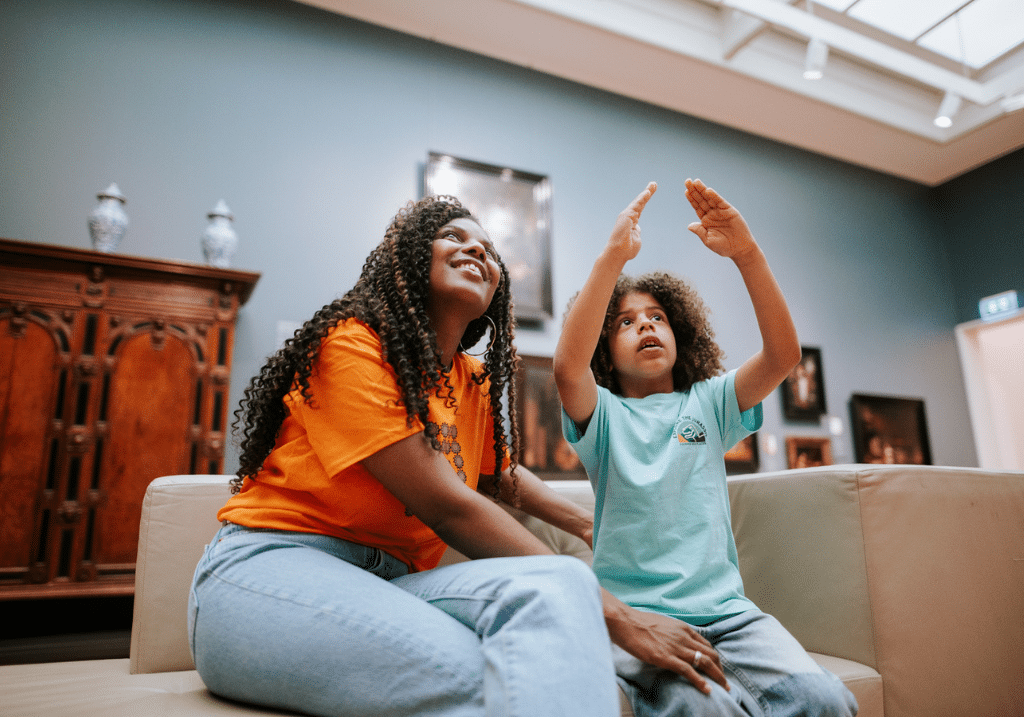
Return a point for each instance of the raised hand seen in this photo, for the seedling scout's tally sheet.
(624, 241)
(721, 227)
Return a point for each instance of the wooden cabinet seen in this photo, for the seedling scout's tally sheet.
(114, 370)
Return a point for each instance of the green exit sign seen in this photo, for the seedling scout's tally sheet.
(997, 305)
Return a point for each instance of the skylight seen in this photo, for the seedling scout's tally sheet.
(972, 32)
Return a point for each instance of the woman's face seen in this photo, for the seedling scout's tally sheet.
(464, 270)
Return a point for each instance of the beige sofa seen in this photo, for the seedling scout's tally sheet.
(906, 581)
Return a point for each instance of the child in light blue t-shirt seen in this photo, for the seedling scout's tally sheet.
(651, 412)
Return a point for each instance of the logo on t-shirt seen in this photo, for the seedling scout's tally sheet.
(690, 430)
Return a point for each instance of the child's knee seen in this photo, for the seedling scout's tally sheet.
(814, 694)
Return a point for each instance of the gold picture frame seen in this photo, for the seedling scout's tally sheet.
(808, 451)
(889, 429)
(743, 457)
(543, 448)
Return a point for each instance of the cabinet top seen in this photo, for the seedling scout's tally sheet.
(68, 258)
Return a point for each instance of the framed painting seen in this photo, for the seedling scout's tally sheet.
(889, 429)
(514, 208)
(808, 451)
(803, 391)
(743, 457)
(543, 448)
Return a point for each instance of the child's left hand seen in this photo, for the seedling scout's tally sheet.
(624, 241)
(721, 227)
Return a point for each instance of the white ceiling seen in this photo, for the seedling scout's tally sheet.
(740, 63)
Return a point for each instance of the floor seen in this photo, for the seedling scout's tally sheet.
(66, 629)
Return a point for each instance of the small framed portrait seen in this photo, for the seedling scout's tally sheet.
(543, 448)
(889, 429)
(803, 391)
(808, 451)
(743, 457)
(514, 208)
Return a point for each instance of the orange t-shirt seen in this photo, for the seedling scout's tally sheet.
(313, 480)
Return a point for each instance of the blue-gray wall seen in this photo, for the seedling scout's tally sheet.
(314, 129)
(982, 224)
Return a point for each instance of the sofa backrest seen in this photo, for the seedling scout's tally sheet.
(179, 517)
(801, 553)
(944, 550)
(917, 571)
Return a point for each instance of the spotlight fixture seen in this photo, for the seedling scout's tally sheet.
(947, 110)
(814, 63)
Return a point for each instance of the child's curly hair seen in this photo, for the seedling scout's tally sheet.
(698, 357)
(391, 298)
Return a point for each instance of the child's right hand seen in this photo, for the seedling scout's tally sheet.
(624, 243)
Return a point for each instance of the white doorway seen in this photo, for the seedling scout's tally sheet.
(992, 356)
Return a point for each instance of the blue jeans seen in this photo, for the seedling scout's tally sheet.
(323, 626)
(769, 672)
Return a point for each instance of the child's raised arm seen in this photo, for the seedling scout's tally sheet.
(725, 232)
(581, 331)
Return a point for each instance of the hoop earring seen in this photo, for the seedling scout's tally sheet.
(494, 335)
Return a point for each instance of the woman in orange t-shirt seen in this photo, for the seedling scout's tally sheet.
(369, 442)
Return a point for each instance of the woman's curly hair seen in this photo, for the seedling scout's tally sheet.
(698, 357)
(391, 298)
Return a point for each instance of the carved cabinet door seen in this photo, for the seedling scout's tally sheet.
(29, 391)
(114, 371)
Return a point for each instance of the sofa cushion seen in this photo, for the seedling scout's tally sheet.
(864, 682)
(104, 688)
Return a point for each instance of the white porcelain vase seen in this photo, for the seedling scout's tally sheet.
(219, 240)
(108, 221)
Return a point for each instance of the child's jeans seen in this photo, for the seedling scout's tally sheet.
(327, 627)
(769, 672)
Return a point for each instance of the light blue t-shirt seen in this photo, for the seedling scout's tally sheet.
(662, 528)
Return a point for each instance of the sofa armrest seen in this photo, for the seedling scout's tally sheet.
(179, 517)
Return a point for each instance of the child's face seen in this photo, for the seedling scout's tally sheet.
(642, 346)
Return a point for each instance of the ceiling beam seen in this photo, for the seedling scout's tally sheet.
(739, 29)
(875, 52)
(656, 50)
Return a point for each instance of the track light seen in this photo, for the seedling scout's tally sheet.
(814, 63)
(947, 110)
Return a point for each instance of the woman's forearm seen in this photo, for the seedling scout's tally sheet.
(537, 499)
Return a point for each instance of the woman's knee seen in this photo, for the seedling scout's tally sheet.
(567, 569)
(559, 576)
(561, 587)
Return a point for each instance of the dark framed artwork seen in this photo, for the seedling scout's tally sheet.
(743, 457)
(889, 429)
(803, 391)
(514, 208)
(543, 448)
(808, 451)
